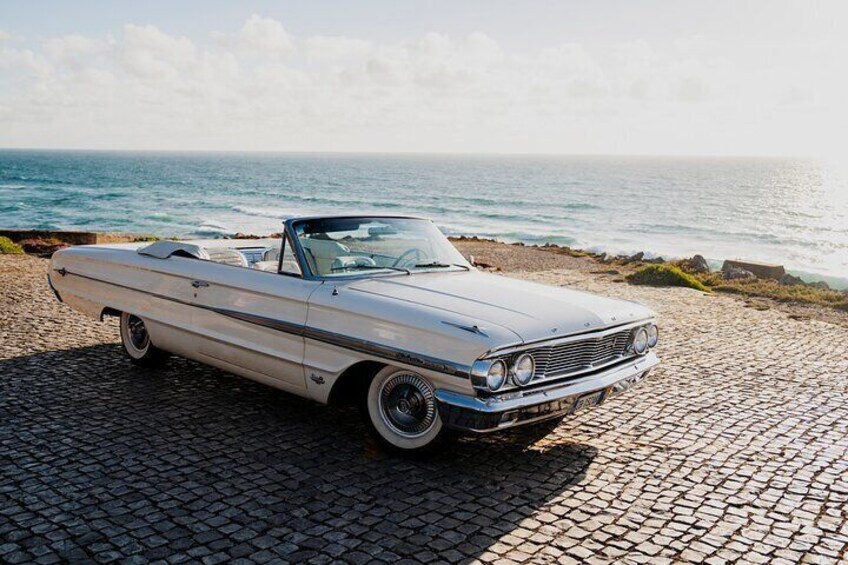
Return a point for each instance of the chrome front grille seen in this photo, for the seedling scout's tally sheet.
(579, 356)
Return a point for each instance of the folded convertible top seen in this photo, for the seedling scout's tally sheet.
(164, 249)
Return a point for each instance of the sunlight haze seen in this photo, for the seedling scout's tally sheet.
(717, 78)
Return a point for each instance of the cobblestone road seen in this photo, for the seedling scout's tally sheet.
(736, 450)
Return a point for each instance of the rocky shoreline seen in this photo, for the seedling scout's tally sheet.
(804, 301)
(731, 269)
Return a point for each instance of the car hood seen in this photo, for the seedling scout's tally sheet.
(530, 310)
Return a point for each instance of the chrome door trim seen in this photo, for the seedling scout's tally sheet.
(332, 338)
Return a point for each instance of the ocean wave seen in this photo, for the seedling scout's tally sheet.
(719, 210)
(279, 213)
(212, 227)
(276, 213)
(36, 180)
(513, 236)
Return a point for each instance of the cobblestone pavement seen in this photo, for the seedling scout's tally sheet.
(736, 450)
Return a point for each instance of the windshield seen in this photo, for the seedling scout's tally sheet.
(344, 246)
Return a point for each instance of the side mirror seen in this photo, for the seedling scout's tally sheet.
(472, 260)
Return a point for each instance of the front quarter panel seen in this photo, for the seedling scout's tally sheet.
(425, 333)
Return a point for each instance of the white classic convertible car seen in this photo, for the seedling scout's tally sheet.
(382, 311)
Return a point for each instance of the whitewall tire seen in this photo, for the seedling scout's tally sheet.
(401, 411)
(136, 342)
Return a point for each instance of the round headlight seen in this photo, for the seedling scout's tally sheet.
(640, 341)
(523, 369)
(653, 335)
(496, 377)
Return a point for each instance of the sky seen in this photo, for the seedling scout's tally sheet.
(499, 76)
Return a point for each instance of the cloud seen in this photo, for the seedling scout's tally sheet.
(335, 49)
(147, 52)
(261, 35)
(261, 87)
(73, 48)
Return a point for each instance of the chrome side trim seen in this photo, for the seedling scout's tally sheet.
(119, 285)
(348, 342)
(317, 334)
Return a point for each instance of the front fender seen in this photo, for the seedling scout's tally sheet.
(345, 327)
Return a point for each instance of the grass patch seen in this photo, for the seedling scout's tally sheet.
(665, 275)
(9, 247)
(670, 275)
(785, 293)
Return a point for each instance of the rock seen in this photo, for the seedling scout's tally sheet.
(39, 246)
(760, 270)
(737, 273)
(695, 264)
(820, 285)
(790, 280)
(655, 260)
(637, 257)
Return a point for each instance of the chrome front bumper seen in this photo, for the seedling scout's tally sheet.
(488, 414)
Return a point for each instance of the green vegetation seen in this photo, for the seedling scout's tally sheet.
(785, 293)
(688, 273)
(9, 247)
(140, 238)
(665, 275)
(672, 275)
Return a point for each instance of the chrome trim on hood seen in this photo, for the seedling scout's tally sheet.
(595, 333)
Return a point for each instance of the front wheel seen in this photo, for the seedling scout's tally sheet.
(400, 411)
(136, 342)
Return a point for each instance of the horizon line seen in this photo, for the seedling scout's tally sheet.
(412, 153)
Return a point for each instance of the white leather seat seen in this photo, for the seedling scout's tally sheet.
(270, 266)
(226, 256)
(322, 252)
(271, 254)
(350, 261)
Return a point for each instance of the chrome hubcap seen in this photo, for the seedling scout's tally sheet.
(137, 332)
(407, 404)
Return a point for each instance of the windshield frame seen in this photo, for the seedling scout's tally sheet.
(292, 224)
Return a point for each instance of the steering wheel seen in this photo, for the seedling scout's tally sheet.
(413, 256)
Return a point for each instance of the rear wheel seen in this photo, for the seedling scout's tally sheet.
(137, 342)
(400, 411)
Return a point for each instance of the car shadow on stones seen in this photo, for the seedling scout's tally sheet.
(104, 460)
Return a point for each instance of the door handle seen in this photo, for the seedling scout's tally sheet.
(199, 284)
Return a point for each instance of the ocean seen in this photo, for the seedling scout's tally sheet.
(788, 211)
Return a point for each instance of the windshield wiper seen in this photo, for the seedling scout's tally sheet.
(440, 265)
(370, 267)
